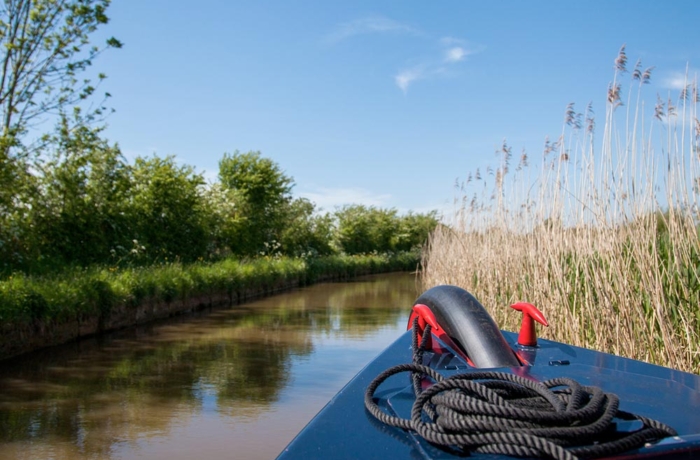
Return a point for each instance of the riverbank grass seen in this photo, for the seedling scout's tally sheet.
(83, 293)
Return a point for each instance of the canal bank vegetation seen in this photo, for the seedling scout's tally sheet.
(601, 233)
(93, 292)
(91, 230)
(83, 205)
(91, 239)
(94, 243)
(52, 309)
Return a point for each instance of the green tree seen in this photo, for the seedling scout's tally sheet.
(363, 229)
(223, 210)
(17, 186)
(304, 232)
(45, 46)
(80, 214)
(168, 209)
(414, 229)
(265, 193)
(44, 43)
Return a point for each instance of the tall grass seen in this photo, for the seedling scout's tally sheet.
(601, 233)
(93, 292)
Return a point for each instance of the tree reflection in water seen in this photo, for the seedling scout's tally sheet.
(91, 398)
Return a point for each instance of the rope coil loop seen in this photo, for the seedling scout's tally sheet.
(502, 413)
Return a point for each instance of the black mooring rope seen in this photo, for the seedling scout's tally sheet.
(502, 413)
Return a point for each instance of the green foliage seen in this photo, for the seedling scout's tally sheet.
(167, 209)
(264, 190)
(305, 233)
(81, 215)
(45, 46)
(224, 218)
(83, 293)
(263, 184)
(16, 187)
(14, 179)
(414, 229)
(364, 229)
(85, 205)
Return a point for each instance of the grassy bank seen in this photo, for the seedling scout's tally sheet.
(601, 233)
(38, 305)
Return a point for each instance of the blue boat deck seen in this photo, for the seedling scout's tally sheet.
(345, 429)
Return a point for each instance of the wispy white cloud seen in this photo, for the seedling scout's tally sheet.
(454, 50)
(676, 80)
(405, 77)
(369, 25)
(451, 41)
(679, 80)
(329, 198)
(455, 54)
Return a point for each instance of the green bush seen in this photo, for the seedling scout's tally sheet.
(362, 230)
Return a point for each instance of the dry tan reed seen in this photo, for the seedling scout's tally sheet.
(601, 234)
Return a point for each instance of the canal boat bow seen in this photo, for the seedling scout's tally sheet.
(454, 385)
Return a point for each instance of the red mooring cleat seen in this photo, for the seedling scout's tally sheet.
(528, 336)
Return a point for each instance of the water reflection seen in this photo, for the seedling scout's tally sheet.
(200, 382)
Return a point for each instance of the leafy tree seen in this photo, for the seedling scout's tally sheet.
(225, 220)
(168, 211)
(80, 215)
(304, 232)
(414, 229)
(44, 43)
(45, 46)
(364, 229)
(17, 187)
(265, 192)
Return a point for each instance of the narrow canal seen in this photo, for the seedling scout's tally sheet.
(227, 383)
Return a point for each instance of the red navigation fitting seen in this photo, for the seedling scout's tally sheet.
(528, 336)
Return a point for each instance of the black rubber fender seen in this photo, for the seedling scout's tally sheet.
(469, 325)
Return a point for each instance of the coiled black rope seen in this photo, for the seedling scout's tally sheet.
(502, 413)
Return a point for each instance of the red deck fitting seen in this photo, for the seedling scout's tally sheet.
(528, 336)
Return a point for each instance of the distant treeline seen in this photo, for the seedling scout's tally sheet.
(69, 199)
(84, 204)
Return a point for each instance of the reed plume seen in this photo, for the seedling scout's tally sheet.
(601, 232)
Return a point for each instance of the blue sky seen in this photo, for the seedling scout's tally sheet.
(384, 103)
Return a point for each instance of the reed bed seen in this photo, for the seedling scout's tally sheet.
(601, 232)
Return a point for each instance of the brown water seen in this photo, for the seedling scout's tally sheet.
(230, 383)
